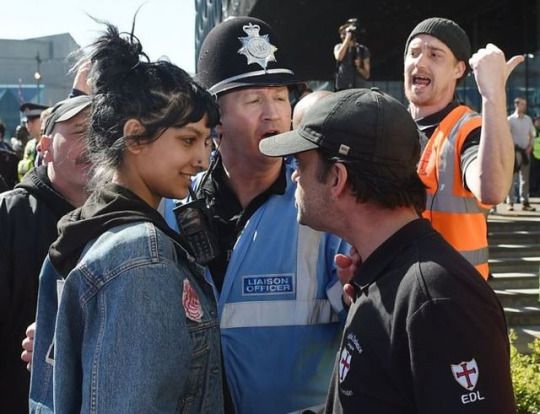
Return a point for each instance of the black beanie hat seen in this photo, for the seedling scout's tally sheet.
(242, 52)
(448, 32)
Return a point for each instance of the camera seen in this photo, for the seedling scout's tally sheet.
(352, 25)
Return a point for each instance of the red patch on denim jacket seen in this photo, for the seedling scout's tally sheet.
(192, 305)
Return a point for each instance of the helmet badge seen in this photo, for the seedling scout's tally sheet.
(256, 48)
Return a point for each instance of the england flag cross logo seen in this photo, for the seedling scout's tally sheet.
(344, 364)
(466, 373)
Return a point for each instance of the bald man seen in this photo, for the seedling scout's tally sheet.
(304, 104)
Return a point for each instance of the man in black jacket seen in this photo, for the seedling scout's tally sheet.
(28, 217)
(425, 333)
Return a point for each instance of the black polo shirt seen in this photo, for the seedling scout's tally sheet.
(229, 218)
(426, 334)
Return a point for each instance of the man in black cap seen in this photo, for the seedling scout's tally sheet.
(28, 217)
(279, 296)
(425, 333)
(32, 114)
(468, 160)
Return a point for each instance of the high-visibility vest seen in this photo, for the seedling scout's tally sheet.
(452, 209)
(536, 146)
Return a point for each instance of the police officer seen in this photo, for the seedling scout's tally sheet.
(32, 113)
(278, 294)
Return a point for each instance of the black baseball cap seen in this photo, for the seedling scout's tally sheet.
(65, 110)
(241, 52)
(32, 110)
(354, 124)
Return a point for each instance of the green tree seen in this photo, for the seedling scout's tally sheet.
(526, 377)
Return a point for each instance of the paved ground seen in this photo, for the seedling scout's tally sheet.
(502, 211)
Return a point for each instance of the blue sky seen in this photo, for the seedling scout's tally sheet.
(165, 27)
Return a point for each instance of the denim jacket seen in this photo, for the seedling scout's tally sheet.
(130, 335)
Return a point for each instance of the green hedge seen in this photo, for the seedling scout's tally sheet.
(526, 377)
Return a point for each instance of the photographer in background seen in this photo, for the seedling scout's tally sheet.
(352, 59)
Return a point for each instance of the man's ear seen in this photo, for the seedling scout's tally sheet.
(219, 130)
(460, 69)
(338, 180)
(45, 147)
(219, 127)
(133, 127)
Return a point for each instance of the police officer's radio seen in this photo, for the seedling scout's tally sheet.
(193, 220)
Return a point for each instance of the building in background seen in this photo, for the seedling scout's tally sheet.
(309, 29)
(34, 70)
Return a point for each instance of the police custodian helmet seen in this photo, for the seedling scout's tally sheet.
(239, 52)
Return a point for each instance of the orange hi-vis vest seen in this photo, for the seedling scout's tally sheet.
(452, 209)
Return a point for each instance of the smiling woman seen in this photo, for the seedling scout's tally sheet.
(117, 272)
(165, 167)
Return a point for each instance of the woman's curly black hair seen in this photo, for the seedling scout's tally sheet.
(126, 85)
